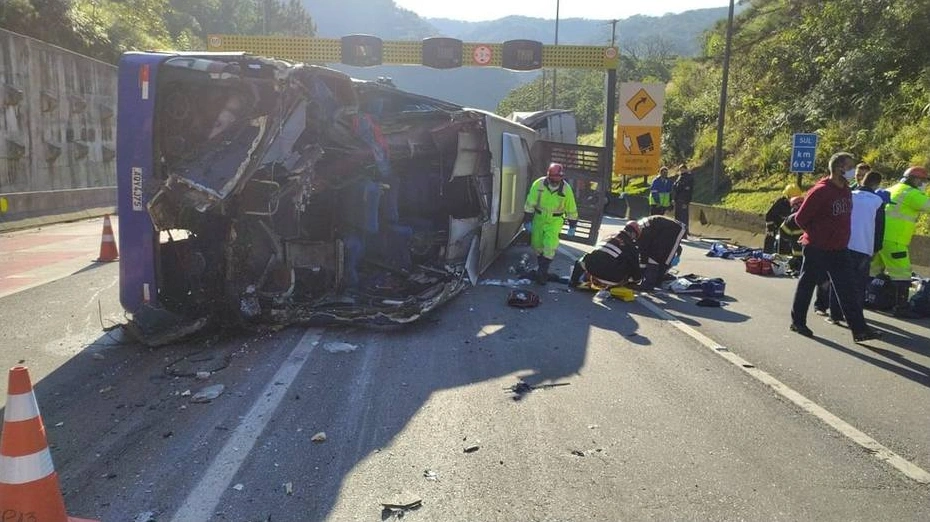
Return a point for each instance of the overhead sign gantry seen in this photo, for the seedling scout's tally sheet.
(363, 50)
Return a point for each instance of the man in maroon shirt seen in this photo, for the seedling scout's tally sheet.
(825, 218)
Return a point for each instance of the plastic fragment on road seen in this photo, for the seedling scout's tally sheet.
(339, 347)
(203, 376)
(209, 393)
(288, 488)
(239, 487)
(430, 475)
(319, 437)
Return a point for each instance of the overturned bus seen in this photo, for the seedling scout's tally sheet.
(256, 190)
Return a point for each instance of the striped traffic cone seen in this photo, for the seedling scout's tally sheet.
(29, 487)
(108, 250)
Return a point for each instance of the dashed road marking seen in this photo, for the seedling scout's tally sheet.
(203, 499)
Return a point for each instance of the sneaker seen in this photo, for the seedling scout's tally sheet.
(801, 329)
(835, 322)
(868, 334)
(820, 312)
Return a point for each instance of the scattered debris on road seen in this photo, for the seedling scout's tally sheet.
(106, 389)
(578, 453)
(186, 393)
(471, 449)
(319, 437)
(523, 299)
(288, 488)
(509, 283)
(239, 487)
(521, 388)
(339, 347)
(98, 356)
(208, 394)
(203, 375)
(399, 504)
(430, 475)
(145, 516)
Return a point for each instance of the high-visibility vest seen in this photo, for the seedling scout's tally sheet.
(901, 216)
(660, 193)
(558, 203)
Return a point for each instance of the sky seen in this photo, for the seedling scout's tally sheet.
(477, 10)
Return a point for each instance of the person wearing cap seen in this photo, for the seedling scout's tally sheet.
(777, 214)
(908, 200)
(614, 263)
(660, 193)
(683, 190)
(549, 204)
(825, 217)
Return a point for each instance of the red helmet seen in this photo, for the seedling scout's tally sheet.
(554, 172)
(632, 229)
(916, 172)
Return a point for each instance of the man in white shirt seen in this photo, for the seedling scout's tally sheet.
(867, 224)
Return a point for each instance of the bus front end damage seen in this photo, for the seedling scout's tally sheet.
(293, 194)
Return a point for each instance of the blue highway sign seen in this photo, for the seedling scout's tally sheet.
(803, 152)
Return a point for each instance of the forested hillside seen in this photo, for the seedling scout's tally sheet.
(104, 29)
(680, 33)
(857, 73)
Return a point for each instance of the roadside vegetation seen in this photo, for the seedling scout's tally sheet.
(856, 73)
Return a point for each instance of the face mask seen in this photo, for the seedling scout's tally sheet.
(850, 174)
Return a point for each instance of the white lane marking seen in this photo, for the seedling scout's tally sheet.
(202, 501)
(881, 452)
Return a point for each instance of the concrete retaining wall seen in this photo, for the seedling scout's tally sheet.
(57, 131)
(748, 229)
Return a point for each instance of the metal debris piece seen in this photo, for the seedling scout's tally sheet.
(402, 501)
(471, 449)
(209, 393)
(578, 453)
(339, 347)
(319, 437)
(430, 475)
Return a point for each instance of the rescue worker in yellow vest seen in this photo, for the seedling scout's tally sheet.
(908, 200)
(549, 204)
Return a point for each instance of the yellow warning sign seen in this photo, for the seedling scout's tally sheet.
(638, 150)
(641, 104)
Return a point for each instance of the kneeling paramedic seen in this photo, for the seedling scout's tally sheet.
(549, 204)
(659, 247)
(614, 263)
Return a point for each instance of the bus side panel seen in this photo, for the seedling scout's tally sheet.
(134, 164)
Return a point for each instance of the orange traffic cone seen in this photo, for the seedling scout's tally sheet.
(29, 487)
(108, 250)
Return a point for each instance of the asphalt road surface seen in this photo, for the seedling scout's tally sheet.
(654, 409)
